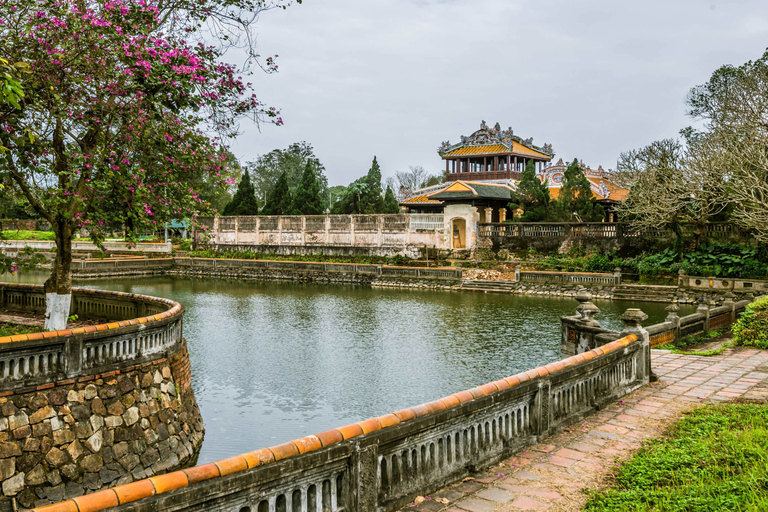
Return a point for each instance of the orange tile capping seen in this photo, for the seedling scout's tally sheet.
(175, 309)
(140, 489)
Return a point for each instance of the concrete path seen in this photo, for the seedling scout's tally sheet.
(553, 476)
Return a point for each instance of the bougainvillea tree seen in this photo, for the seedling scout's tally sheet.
(119, 124)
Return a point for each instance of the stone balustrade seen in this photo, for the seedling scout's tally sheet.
(142, 329)
(382, 463)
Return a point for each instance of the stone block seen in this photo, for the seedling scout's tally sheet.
(69, 471)
(36, 476)
(8, 409)
(7, 468)
(42, 414)
(75, 450)
(95, 442)
(9, 450)
(45, 444)
(3, 423)
(146, 380)
(42, 429)
(97, 406)
(128, 401)
(13, 485)
(91, 392)
(18, 420)
(83, 429)
(57, 397)
(158, 377)
(56, 424)
(53, 477)
(31, 444)
(57, 458)
(81, 412)
(63, 436)
(113, 421)
(125, 385)
(116, 409)
(92, 463)
(108, 475)
(129, 461)
(131, 416)
(72, 396)
(22, 432)
(92, 481)
(97, 422)
(120, 449)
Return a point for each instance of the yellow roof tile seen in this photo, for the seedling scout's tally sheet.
(517, 148)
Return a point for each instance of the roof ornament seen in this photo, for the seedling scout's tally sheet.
(444, 145)
(548, 149)
(483, 126)
(497, 128)
(464, 138)
(604, 190)
(528, 142)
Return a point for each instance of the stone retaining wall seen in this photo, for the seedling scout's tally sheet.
(92, 407)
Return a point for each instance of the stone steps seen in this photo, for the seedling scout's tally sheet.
(641, 292)
(481, 285)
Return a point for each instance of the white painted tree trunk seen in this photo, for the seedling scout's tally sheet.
(56, 311)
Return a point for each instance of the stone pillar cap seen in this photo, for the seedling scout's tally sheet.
(633, 317)
(583, 296)
(672, 308)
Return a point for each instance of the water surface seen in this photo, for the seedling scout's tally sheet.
(277, 361)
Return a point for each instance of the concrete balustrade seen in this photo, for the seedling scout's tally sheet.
(382, 463)
(143, 328)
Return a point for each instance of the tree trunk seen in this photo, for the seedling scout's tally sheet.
(58, 287)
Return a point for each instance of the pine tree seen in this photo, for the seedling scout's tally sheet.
(390, 203)
(244, 200)
(363, 195)
(576, 196)
(279, 200)
(306, 198)
(532, 196)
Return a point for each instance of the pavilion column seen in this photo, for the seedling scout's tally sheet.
(485, 163)
(502, 214)
(469, 165)
(488, 215)
(495, 163)
(509, 163)
(447, 163)
(517, 169)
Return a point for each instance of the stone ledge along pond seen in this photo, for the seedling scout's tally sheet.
(274, 361)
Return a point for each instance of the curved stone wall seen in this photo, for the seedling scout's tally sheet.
(93, 407)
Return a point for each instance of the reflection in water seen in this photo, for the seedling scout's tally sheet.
(276, 361)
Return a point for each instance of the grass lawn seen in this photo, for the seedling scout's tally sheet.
(12, 329)
(714, 459)
(28, 235)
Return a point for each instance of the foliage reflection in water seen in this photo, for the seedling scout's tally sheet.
(277, 361)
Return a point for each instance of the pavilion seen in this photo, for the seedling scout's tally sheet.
(491, 154)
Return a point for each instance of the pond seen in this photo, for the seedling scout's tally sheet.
(273, 362)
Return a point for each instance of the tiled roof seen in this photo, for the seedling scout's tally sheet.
(615, 193)
(499, 149)
(473, 189)
(420, 200)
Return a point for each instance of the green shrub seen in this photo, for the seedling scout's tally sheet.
(751, 330)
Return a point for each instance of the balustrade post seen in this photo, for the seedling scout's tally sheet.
(280, 230)
(543, 407)
(327, 227)
(729, 302)
(681, 279)
(518, 269)
(73, 352)
(303, 229)
(237, 230)
(704, 310)
(352, 230)
(633, 319)
(674, 319)
(617, 276)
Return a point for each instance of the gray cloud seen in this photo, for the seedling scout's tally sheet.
(395, 78)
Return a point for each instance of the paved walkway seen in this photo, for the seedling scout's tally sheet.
(552, 476)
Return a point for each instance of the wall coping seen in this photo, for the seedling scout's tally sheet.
(141, 489)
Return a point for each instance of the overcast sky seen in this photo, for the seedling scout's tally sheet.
(395, 78)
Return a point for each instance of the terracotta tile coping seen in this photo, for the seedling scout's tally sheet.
(158, 484)
(175, 308)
